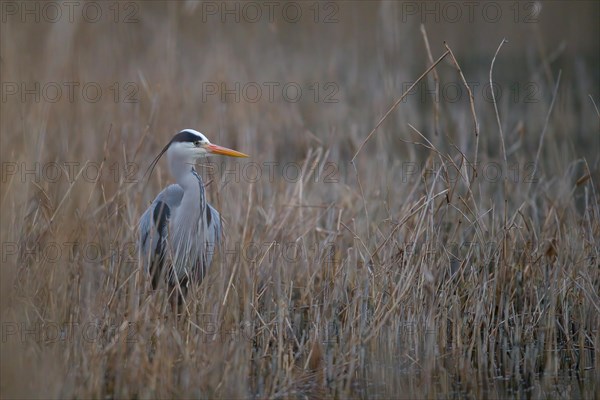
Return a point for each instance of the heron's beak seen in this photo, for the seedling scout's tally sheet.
(215, 149)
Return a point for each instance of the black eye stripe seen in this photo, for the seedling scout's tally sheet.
(186, 136)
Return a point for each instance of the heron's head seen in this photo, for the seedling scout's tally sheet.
(189, 145)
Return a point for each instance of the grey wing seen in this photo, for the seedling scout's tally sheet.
(153, 230)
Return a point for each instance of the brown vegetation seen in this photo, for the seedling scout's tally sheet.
(441, 264)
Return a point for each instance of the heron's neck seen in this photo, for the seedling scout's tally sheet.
(182, 169)
(185, 175)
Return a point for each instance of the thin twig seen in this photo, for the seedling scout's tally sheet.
(472, 104)
(398, 102)
(495, 105)
(595, 106)
(504, 248)
(362, 195)
(539, 150)
(436, 81)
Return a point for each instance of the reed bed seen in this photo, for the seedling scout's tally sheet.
(455, 254)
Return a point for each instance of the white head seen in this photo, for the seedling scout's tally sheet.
(189, 145)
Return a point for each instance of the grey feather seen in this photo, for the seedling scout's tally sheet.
(183, 248)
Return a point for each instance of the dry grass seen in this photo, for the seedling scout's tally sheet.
(413, 274)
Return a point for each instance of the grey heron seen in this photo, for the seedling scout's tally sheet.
(179, 232)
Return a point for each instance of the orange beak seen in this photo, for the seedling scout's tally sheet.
(215, 149)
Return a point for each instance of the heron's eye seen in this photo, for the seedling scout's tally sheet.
(197, 143)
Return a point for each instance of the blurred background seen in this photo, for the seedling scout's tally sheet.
(91, 91)
(163, 66)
